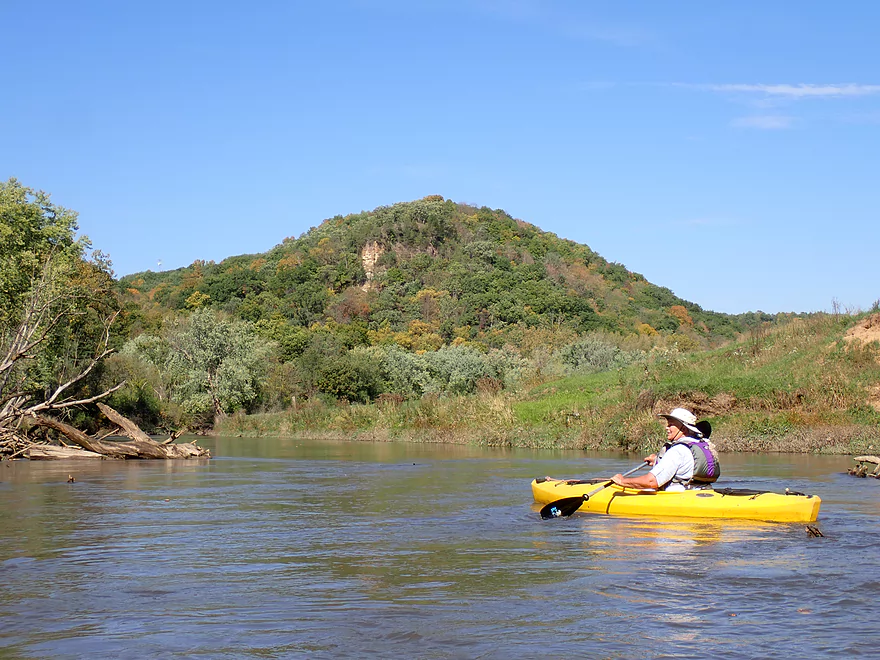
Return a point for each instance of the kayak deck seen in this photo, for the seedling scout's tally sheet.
(705, 503)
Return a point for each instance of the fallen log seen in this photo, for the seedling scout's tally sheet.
(127, 427)
(863, 467)
(138, 446)
(54, 453)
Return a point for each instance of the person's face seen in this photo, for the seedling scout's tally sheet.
(674, 430)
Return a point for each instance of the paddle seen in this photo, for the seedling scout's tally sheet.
(568, 505)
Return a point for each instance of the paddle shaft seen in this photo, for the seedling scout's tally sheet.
(609, 482)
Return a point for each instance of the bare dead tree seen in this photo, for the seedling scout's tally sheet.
(51, 303)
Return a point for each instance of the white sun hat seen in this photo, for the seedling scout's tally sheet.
(686, 417)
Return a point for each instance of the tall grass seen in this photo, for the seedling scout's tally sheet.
(796, 387)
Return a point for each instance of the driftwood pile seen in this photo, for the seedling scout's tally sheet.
(138, 446)
(867, 466)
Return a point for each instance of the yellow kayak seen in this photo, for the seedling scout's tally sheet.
(706, 503)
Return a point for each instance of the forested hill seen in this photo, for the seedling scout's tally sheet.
(429, 273)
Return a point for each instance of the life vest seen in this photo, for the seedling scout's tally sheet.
(707, 467)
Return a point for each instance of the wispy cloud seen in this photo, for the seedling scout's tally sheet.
(767, 101)
(801, 91)
(764, 122)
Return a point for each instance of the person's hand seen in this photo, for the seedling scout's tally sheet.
(618, 479)
(650, 460)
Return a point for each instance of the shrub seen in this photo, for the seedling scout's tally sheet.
(406, 373)
(352, 376)
(458, 368)
(592, 354)
(448, 370)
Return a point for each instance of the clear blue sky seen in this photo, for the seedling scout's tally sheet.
(728, 151)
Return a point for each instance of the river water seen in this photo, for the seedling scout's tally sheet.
(302, 549)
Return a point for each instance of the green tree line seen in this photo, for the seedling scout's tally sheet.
(429, 297)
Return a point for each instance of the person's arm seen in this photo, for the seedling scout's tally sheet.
(643, 482)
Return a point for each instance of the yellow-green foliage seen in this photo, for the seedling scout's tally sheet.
(796, 387)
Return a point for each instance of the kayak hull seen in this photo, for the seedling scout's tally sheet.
(706, 503)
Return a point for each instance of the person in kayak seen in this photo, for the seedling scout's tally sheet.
(686, 459)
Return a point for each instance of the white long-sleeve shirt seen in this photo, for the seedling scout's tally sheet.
(677, 463)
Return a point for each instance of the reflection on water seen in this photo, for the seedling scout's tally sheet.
(289, 548)
(678, 537)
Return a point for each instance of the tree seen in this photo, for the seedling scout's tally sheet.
(353, 376)
(56, 310)
(209, 364)
(679, 312)
(32, 229)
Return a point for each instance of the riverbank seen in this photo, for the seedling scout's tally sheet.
(810, 386)
(749, 433)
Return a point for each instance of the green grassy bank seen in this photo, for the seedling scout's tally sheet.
(800, 387)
